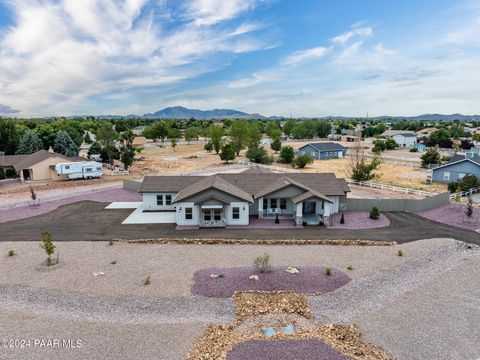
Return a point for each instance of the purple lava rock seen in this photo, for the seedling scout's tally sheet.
(310, 280)
(357, 220)
(312, 349)
(454, 214)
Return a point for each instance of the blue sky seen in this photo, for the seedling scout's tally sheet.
(274, 57)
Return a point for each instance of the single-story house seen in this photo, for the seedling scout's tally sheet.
(232, 199)
(37, 166)
(401, 137)
(323, 150)
(456, 168)
(139, 141)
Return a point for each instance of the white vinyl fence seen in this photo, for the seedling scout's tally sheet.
(405, 190)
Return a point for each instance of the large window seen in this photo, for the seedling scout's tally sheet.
(217, 214)
(188, 213)
(283, 203)
(273, 203)
(235, 213)
(446, 175)
(168, 199)
(159, 200)
(207, 215)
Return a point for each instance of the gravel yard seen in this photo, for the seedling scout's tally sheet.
(454, 214)
(172, 267)
(358, 220)
(310, 280)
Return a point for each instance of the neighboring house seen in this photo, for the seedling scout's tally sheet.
(37, 166)
(456, 168)
(324, 150)
(231, 199)
(402, 138)
(139, 141)
(420, 147)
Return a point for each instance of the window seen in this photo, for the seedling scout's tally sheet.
(217, 214)
(446, 175)
(159, 200)
(235, 213)
(461, 175)
(188, 213)
(67, 167)
(314, 154)
(273, 203)
(88, 170)
(283, 203)
(265, 204)
(168, 199)
(207, 215)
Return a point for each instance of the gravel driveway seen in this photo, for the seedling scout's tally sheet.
(90, 221)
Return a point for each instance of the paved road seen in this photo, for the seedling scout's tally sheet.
(89, 221)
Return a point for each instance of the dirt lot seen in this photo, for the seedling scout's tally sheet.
(100, 224)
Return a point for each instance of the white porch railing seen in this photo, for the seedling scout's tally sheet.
(381, 186)
(464, 193)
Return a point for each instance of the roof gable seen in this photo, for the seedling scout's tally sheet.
(326, 146)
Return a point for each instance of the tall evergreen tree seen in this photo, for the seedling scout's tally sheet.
(63, 144)
(29, 143)
(9, 137)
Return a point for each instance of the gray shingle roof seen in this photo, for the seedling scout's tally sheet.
(20, 162)
(326, 146)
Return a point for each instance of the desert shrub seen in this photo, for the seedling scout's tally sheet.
(413, 149)
(468, 182)
(262, 263)
(302, 160)
(110, 242)
(48, 246)
(342, 219)
(374, 213)
(2, 173)
(113, 262)
(208, 146)
(400, 253)
(469, 209)
(350, 267)
(328, 271)
(146, 281)
(277, 220)
(287, 154)
(452, 187)
(11, 253)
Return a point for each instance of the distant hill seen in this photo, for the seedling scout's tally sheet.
(180, 112)
(441, 117)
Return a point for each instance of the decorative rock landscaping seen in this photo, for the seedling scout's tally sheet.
(357, 220)
(309, 280)
(454, 214)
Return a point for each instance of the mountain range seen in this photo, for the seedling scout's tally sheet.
(180, 112)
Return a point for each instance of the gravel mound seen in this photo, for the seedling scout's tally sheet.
(365, 295)
(285, 350)
(310, 280)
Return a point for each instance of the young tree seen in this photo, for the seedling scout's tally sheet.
(191, 133)
(431, 156)
(238, 135)
(276, 144)
(87, 138)
(63, 144)
(469, 210)
(29, 143)
(287, 154)
(258, 155)
(95, 148)
(302, 160)
(173, 142)
(48, 246)
(227, 152)
(208, 146)
(127, 150)
(360, 168)
(158, 130)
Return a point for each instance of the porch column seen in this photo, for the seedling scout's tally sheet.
(327, 211)
(260, 207)
(299, 213)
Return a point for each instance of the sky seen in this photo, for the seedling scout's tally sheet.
(273, 57)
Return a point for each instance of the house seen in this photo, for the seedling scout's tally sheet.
(37, 166)
(420, 147)
(223, 200)
(139, 141)
(402, 138)
(457, 167)
(324, 150)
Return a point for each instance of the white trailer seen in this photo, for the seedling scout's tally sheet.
(80, 170)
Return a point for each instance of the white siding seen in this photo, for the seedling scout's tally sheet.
(150, 201)
(405, 141)
(244, 213)
(181, 214)
(335, 205)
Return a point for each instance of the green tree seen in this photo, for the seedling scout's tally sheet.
(431, 156)
(47, 245)
(215, 134)
(47, 133)
(390, 144)
(276, 144)
(95, 148)
(288, 127)
(191, 133)
(228, 152)
(302, 160)
(29, 143)
(64, 144)
(238, 135)
(287, 154)
(254, 135)
(159, 130)
(9, 137)
(208, 147)
(127, 150)
(323, 129)
(106, 137)
(258, 155)
(87, 138)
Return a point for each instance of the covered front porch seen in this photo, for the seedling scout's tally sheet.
(212, 216)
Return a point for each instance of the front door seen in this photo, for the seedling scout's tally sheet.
(309, 207)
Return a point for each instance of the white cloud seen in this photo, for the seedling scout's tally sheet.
(304, 55)
(255, 79)
(355, 32)
(57, 54)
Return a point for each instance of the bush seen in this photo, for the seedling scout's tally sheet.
(277, 220)
(350, 267)
(262, 263)
(452, 187)
(10, 173)
(413, 149)
(146, 281)
(2, 173)
(374, 213)
(469, 209)
(342, 219)
(328, 271)
(11, 253)
(431, 156)
(110, 242)
(208, 146)
(400, 253)
(113, 262)
(227, 152)
(287, 154)
(302, 160)
(468, 182)
(258, 155)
